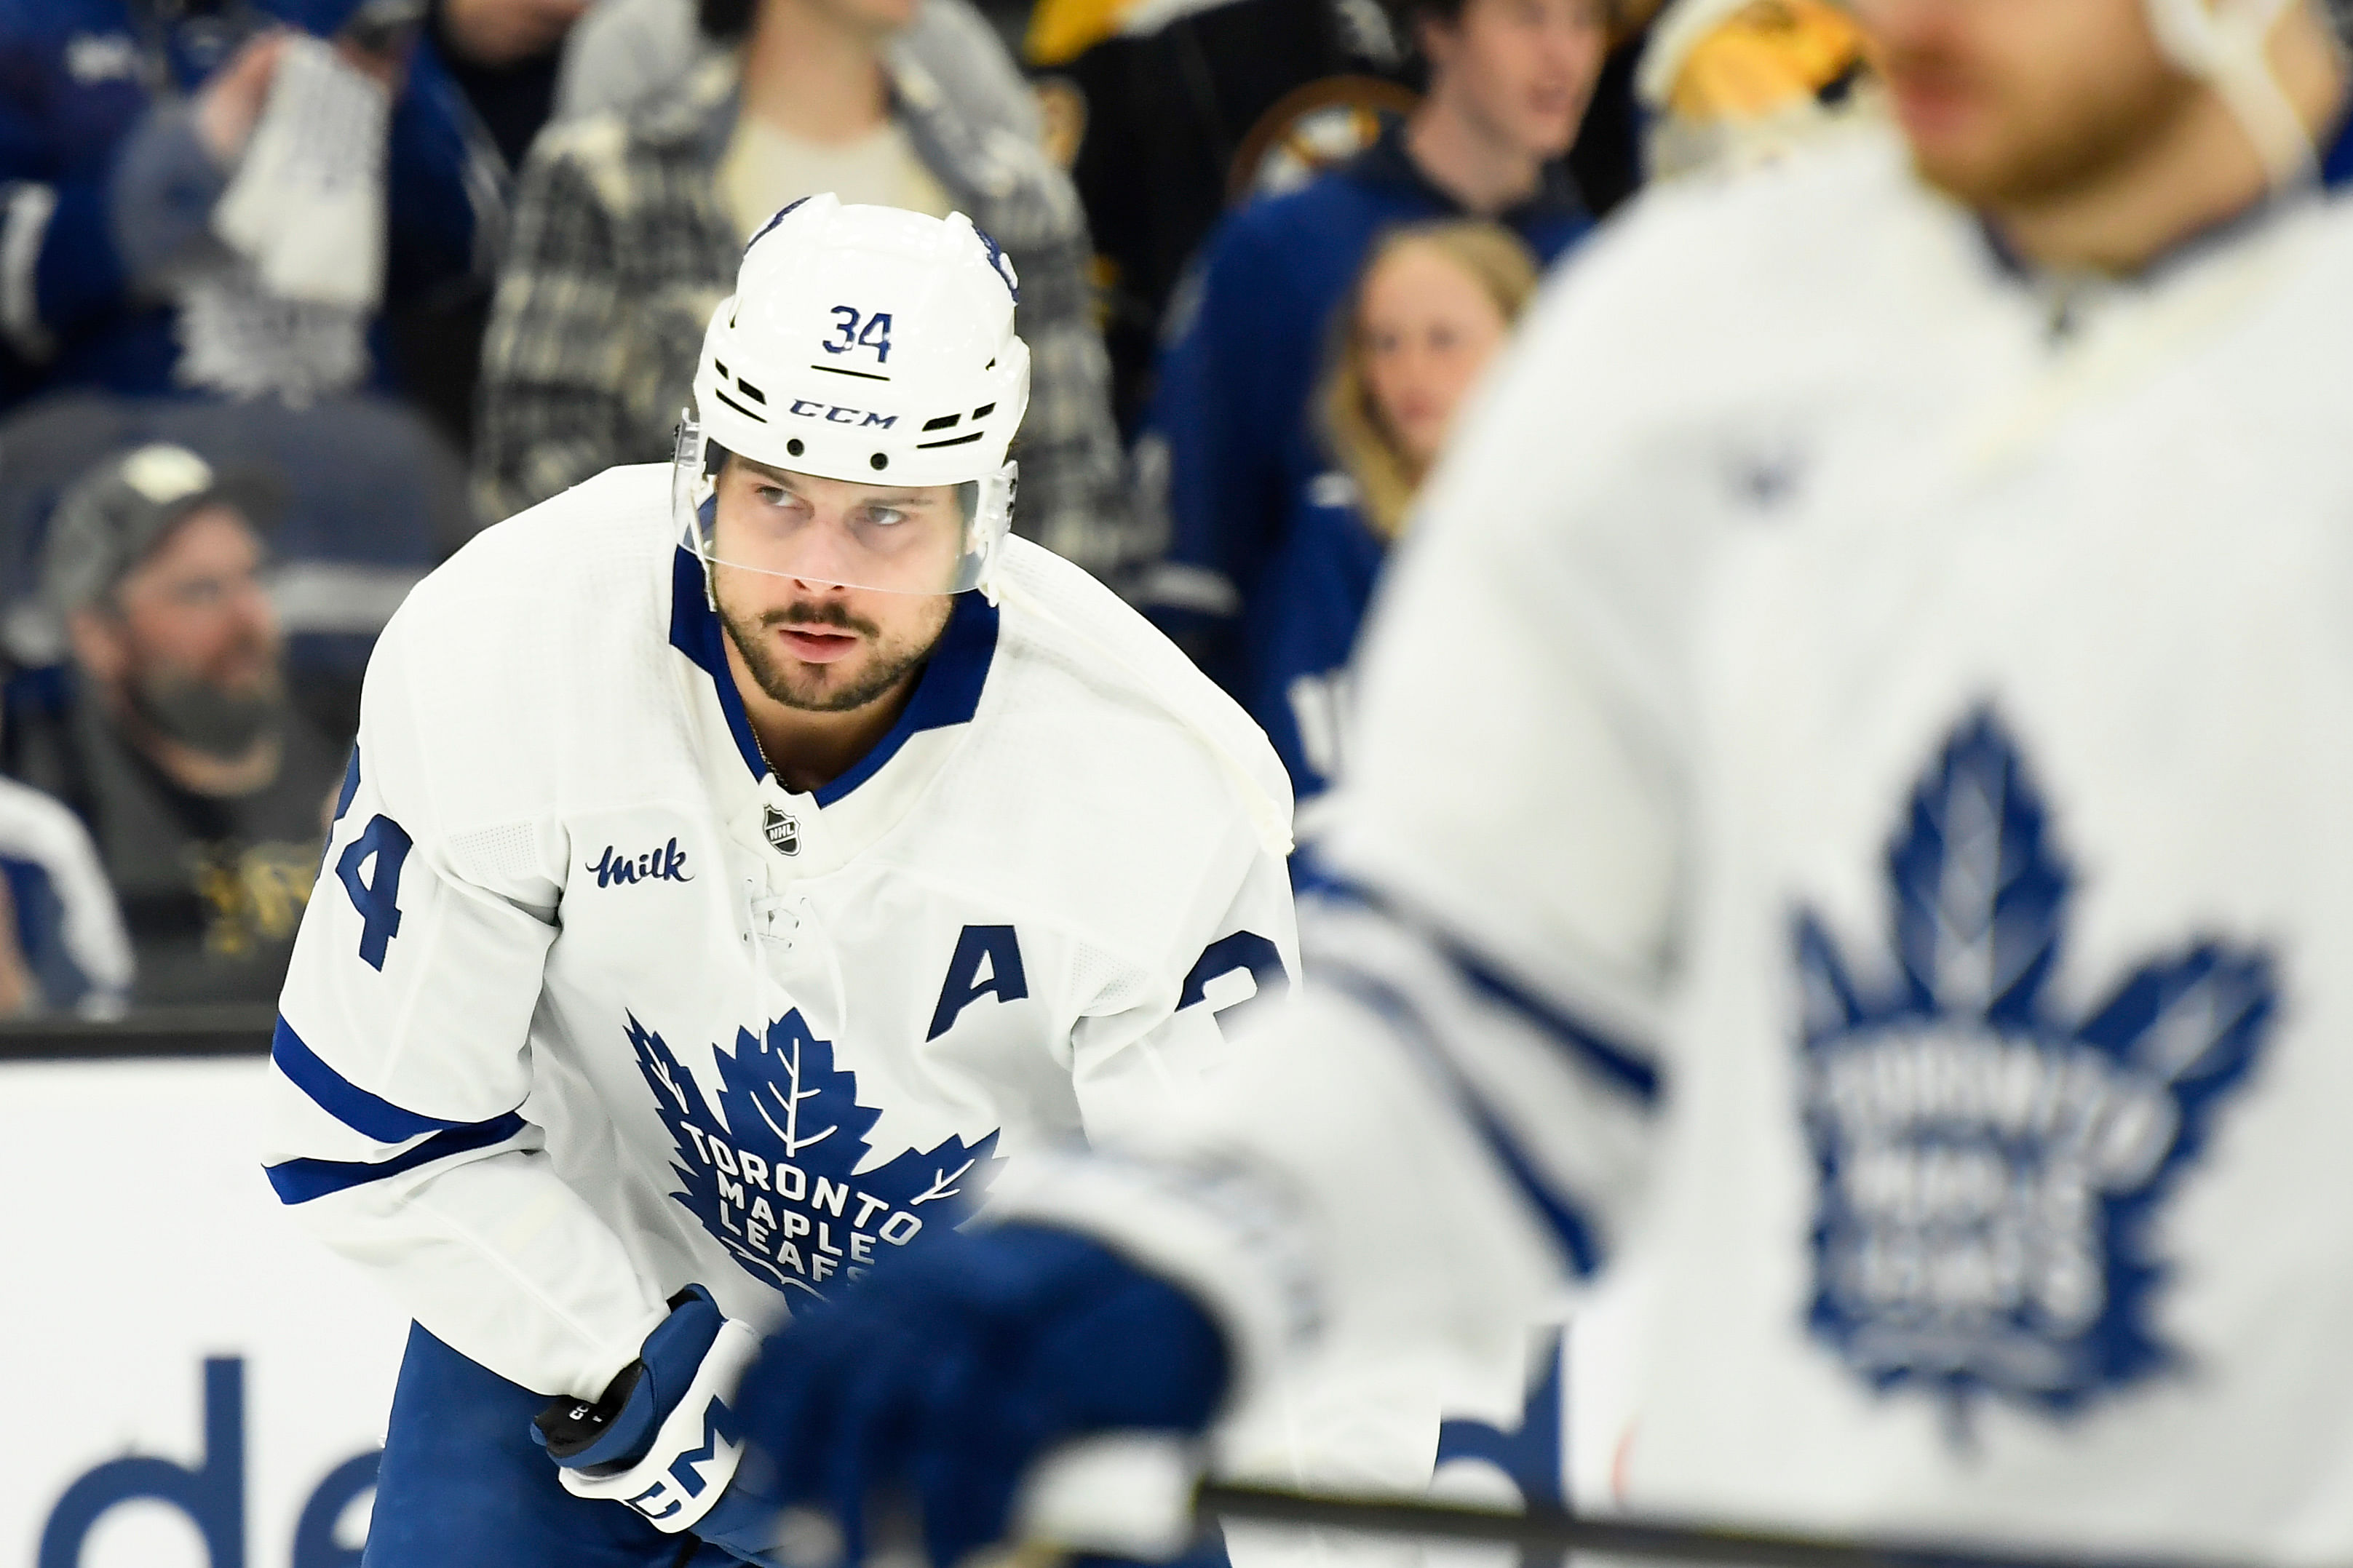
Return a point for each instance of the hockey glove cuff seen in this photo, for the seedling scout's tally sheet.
(664, 1440)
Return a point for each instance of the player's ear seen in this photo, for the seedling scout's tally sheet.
(99, 646)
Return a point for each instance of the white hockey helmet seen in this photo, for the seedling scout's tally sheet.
(871, 345)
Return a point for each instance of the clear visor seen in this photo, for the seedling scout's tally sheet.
(919, 539)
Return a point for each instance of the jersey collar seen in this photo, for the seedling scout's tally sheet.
(947, 692)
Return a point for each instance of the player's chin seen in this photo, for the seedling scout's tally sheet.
(1954, 147)
(835, 688)
(1962, 169)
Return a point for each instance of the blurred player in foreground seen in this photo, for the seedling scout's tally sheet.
(1850, 808)
(738, 864)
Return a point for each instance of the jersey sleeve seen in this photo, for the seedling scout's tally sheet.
(402, 1060)
(1163, 1023)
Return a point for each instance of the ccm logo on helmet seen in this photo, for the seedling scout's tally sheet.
(834, 413)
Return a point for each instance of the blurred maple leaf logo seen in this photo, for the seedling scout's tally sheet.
(1991, 1163)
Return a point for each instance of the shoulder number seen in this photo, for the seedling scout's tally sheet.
(376, 899)
(376, 896)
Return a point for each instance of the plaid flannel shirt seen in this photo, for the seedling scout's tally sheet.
(621, 248)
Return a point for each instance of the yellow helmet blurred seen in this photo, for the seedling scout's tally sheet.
(1730, 83)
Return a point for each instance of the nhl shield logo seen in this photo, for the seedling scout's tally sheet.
(783, 830)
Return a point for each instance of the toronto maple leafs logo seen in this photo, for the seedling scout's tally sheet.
(775, 1177)
(1992, 1162)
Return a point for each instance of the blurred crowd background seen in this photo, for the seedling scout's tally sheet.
(296, 295)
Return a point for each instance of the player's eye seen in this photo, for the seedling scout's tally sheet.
(884, 516)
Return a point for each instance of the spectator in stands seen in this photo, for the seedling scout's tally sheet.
(1432, 307)
(211, 194)
(1230, 430)
(207, 793)
(504, 56)
(628, 231)
(626, 53)
(1170, 108)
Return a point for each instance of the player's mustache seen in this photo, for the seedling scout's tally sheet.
(820, 613)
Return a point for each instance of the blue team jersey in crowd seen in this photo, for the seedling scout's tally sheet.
(1232, 408)
(1316, 583)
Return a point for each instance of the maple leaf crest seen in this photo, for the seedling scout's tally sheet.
(1991, 1164)
(773, 1171)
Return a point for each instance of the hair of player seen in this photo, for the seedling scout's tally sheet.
(1358, 438)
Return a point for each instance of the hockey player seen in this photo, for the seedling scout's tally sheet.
(741, 862)
(1850, 811)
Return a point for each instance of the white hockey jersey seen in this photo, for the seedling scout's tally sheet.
(591, 1006)
(1852, 815)
(66, 927)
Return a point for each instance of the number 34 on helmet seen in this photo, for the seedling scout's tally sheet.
(872, 347)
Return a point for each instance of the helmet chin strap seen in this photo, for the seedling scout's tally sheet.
(993, 520)
(687, 449)
(2226, 44)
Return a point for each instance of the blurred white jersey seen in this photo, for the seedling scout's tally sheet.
(591, 1006)
(64, 921)
(1852, 813)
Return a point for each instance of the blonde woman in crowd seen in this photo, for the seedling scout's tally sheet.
(1431, 307)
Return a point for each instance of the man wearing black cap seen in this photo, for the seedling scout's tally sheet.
(204, 790)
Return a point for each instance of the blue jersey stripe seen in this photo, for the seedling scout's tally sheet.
(299, 1181)
(1611, 1060)
(1620, 1064)
(1568, 1223)
(346, 1101)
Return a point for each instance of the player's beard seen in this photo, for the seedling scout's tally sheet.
(789, 681)
(2069, 141)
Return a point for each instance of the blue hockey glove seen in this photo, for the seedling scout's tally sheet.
(664, 1440)
(941, 1376)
